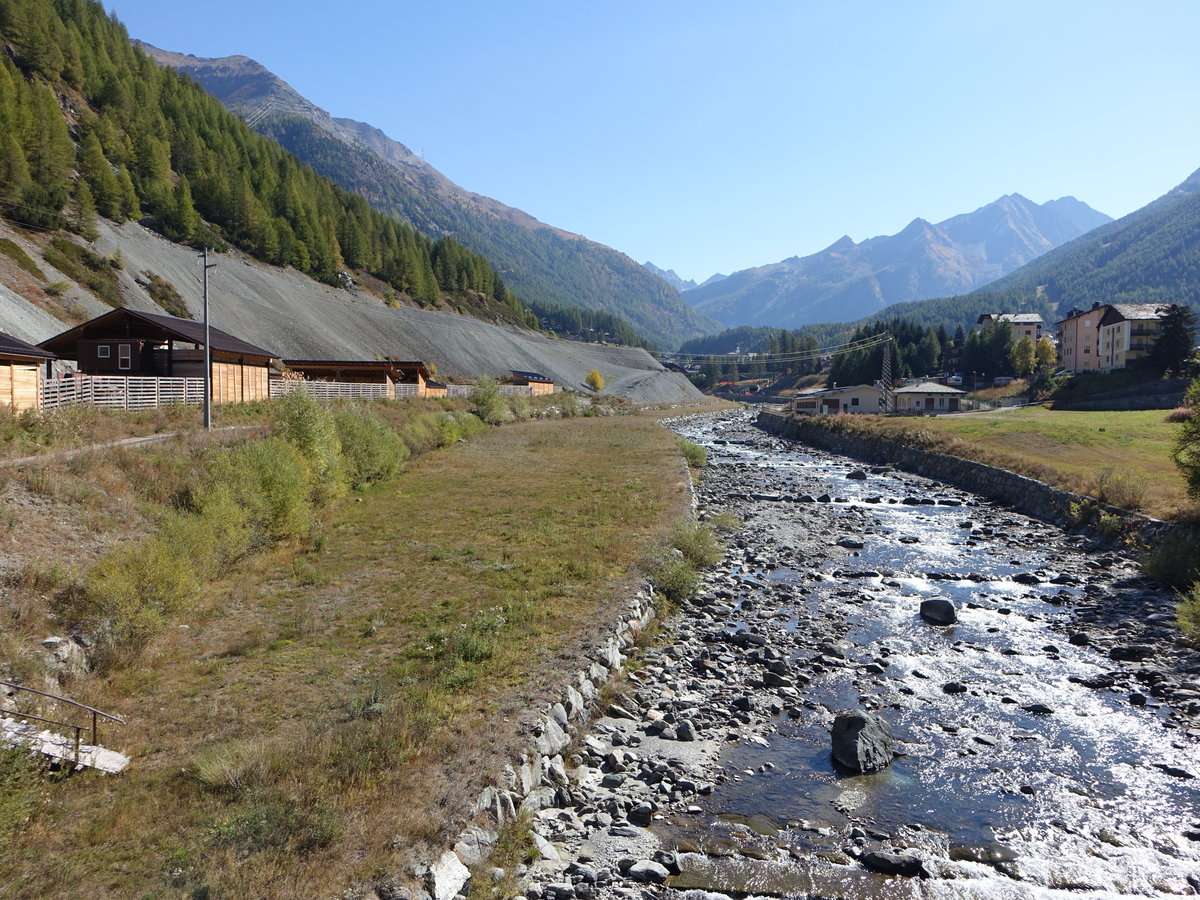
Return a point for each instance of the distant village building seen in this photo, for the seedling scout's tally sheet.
(436, 389)
(1127, 332)
(1107, 336)
(21, 372)
(858, 398)
(132, 342)
(929, 397)
(1028, 325)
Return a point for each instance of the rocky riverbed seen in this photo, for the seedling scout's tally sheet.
(1046, 718)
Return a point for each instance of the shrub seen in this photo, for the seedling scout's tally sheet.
(1187, 613)
(1118, 489)
(1186, 452)
(309, 427)
(486, 401)
(694, 455)
(595, 380)
(128, 595)
(1175, 561)
(725, 522)
(672, 575)
(699, 544)
(269, 480)
(570, 405)
(371, 450)
(1179, 414)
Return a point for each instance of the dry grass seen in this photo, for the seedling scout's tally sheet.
(1085, 452)
(324, 712)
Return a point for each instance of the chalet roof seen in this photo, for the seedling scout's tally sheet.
(532, 376)
(1012, 318)
(17, 349)
(136, 323)
(391, 366)
(1118, 312)
(927, 387)
(845, 389)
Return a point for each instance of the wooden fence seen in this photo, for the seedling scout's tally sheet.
(121, 391)
(331, 390)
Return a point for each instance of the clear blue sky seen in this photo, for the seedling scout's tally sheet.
(709, 136)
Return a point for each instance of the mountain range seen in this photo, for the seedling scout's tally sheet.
(546, 266)
(846, 280)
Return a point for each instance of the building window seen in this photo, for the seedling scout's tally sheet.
(854, 401)
(124, 360)
(103, 351)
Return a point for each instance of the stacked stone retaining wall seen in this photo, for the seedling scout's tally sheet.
(1026, 495)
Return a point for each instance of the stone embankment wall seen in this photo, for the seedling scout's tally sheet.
(1166, 394)
(535, 780)
(1026, 495)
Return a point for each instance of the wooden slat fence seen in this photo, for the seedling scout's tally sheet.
(121, 391)
(330, 390)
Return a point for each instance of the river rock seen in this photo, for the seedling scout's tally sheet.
(939, 611)
(648, 872)
(862, 741)
(894, 864)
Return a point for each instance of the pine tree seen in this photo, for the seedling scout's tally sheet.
(84, 212)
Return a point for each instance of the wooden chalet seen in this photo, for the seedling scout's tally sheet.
(132, 342)
(21, 372)
(537, 383)
(402, 378)
(436, 389)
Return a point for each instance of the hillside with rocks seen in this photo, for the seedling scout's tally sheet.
(299, 318)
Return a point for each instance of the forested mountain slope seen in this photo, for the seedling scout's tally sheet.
(546, 266)
(1151, 255)
(113, 170)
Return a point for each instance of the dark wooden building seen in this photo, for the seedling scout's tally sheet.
(132, 342)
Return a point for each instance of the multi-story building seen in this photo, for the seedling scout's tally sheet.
(1107, 336)
(1127, 331)
(1023, 324)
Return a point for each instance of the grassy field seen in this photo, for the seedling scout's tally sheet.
(323, 713)
(1070, 449)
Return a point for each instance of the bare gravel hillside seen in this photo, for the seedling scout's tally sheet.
(297, 318)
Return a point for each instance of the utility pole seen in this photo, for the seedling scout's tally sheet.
(207, 349)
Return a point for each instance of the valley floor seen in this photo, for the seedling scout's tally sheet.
(325, 713)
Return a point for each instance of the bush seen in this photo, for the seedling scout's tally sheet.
(1187, 613)
(309, 427)
(694, 455)
(371, 450)
(1186, 452)
(487, 403)
(269, 480)
(699, 544)
(1118, 489)
(1175, 561)
(672, 575)
(570, 405)
(595, 380)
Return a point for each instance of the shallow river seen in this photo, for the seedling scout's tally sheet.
(1026, 782)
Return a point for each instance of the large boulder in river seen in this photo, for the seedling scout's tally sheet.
(862, 741)
(939, 611)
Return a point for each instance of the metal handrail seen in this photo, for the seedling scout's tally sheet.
(96, 713)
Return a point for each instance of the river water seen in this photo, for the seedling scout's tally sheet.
(1016, 776)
